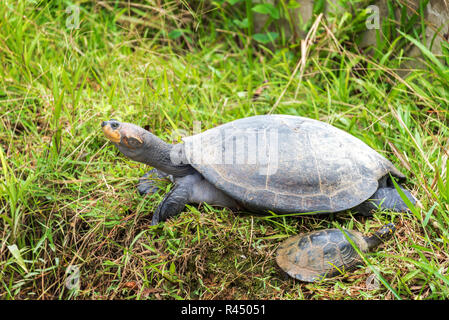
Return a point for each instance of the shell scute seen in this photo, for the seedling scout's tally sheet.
(319, 254)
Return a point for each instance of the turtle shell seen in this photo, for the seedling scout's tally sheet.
(318, 254)
(288, 164)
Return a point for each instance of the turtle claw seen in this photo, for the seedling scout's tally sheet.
(154, 222)
(146, 186)
(148, 183)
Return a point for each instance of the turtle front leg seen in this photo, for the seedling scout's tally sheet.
(175, 201)
(148, 182)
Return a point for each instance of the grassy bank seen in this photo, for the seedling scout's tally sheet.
(68, 198)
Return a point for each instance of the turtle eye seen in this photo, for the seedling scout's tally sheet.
(133, 142)
(114, 125)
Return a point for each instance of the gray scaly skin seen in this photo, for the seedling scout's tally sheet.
(190, 185)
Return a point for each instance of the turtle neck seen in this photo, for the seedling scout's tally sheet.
(165, 157)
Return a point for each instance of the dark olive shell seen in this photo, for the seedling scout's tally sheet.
(288, 164)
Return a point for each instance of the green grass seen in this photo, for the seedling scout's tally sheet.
(69, 198)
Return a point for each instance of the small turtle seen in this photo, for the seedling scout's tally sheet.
(278, 163)
(326, 253)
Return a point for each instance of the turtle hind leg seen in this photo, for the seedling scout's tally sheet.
(386, 198)
(389, 199)
(148, 182)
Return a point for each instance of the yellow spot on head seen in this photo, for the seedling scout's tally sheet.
(111, 134)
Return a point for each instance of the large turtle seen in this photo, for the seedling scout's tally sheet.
(326, 253)
(279, 163)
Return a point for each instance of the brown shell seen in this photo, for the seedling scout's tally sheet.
(288, 164)
(319, 254)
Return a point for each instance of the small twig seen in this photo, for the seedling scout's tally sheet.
(401, 122)
(251, 233)
(305, 46)
(399, 155)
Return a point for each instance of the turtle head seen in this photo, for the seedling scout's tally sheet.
(385, 232)
(130, 139)
(141, 145)
(380, 236)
